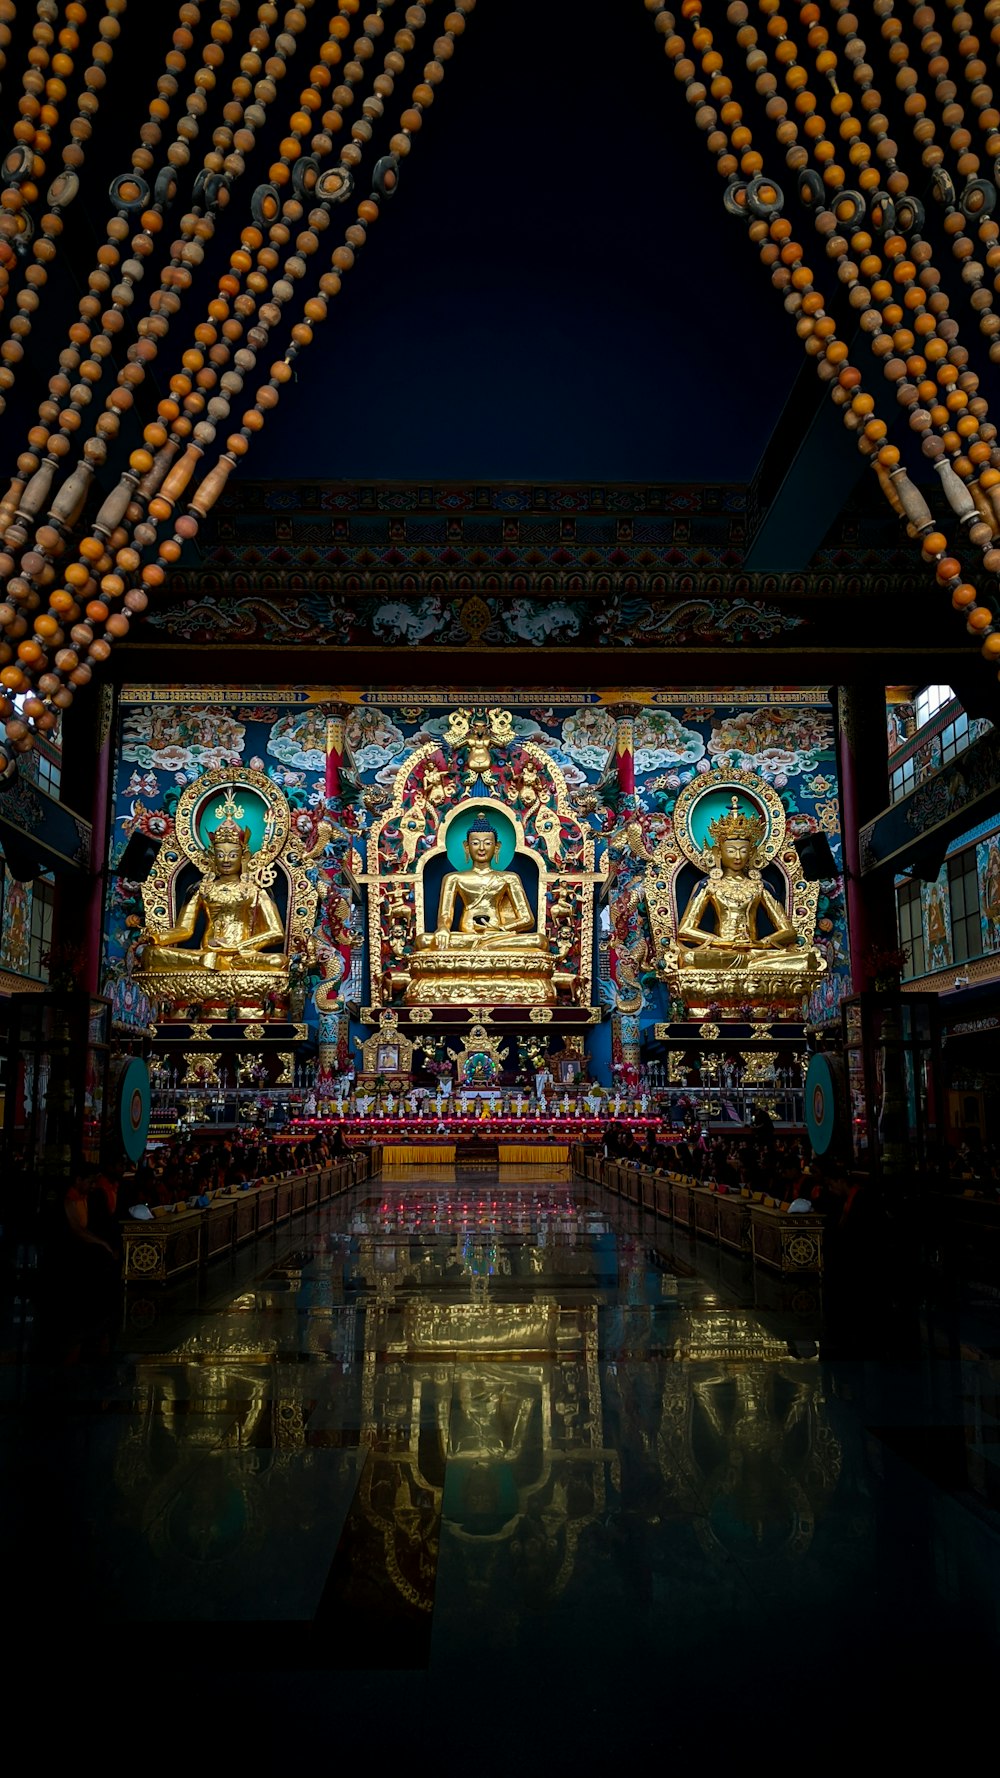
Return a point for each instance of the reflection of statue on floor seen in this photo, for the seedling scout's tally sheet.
(491, 1415)
(244, 923)
(495, 912)
(734, 892)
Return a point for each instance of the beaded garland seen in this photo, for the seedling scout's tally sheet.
(955, 432)
(59, 621)
(102, 589)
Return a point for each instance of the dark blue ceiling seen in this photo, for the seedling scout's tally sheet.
(557, 292)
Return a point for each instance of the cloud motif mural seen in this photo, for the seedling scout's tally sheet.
(773, 740)
(172, 737)
(662, 740)
(373, 739)
(299, 740)
(588, 737)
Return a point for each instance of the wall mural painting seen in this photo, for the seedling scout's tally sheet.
(542, 772)
(935, 906)
(15, 923)
(182, 737)
(988, 867)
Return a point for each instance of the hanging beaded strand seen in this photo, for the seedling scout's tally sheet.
(232, 312)
(113, 587)
(23, 590)
(63, 603)
(267, 397)
(938, 334)
(342, 259)
(945, 407)
(788, 268)
(25, 166)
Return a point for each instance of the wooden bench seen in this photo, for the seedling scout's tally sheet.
(784, 1241)
(180, 1238)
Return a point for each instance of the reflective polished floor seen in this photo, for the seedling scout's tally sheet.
(445, 1430)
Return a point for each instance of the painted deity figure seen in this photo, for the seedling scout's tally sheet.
(734, 893)
(478, 762)
(495, 914)
(991, 895)
(937, 930)
(243, 923)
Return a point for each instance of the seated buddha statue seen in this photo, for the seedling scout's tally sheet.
(495, 915)
(496, 934)
(244, 926)
(733, 893)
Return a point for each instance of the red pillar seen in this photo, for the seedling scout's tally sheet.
(334, 755)
(624, 715)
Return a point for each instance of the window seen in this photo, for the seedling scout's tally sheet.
(911, 929)
(40, 941)
(903, 778)
(47, 772)
(955, 737)
(930, 700)
(963, 886)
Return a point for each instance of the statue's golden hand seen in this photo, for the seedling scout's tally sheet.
(441, 938)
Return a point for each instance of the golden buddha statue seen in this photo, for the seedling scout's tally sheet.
(734, 892)
(497, 951)
(244, 925)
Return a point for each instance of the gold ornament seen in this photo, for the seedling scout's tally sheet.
(715, 949)
(243, 951)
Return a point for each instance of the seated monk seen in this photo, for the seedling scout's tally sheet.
(495, 912)
(243, 923)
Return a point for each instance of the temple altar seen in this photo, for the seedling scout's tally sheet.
(467, 896)
(480, 876)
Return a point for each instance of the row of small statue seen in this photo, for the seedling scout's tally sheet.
(448, 1102)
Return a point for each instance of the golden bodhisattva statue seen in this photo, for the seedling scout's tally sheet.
(497, 950)
(244, 929)
(734, 893)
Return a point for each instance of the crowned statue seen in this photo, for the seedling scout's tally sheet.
(738, 938)
(734, 892)
(243, 925)
(497, 950)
